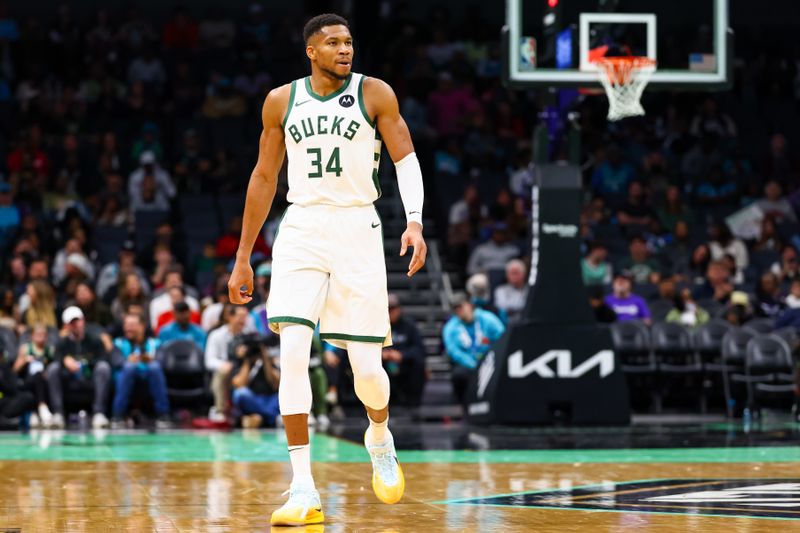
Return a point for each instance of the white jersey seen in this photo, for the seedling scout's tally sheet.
(333, 146)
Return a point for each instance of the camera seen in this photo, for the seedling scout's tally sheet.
(250, 347)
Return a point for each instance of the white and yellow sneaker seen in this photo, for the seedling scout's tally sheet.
(302, 508)
(387, 476)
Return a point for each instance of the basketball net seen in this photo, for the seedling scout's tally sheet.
(624, 79)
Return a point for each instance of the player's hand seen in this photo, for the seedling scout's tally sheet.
(240, 284)
(412, 236)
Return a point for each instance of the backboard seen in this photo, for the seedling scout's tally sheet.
(552, 43)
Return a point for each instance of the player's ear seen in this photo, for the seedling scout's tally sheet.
(311, 52)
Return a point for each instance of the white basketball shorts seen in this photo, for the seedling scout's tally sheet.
(328, 266)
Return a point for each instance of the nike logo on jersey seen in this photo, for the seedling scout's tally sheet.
(298, 104)
(412, 212)
(376, 225)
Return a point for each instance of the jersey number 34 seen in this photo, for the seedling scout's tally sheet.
(333, 166)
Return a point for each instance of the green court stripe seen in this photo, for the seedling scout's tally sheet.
(346, 337)
(292, 320)
(289, 107)
(334, 94)
(361, 102)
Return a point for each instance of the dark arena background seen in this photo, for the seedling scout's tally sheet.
(604, 336)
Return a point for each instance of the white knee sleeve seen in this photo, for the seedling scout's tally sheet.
(294, 392)
(370, 379)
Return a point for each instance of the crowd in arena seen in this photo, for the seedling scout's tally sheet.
(110, 123)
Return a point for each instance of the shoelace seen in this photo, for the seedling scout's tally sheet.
(301, 497)
(385, 464)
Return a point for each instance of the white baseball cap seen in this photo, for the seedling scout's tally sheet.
(71, 313)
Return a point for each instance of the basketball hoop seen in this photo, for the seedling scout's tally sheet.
(624, 79)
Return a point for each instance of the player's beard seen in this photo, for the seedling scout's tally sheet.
(334, 74)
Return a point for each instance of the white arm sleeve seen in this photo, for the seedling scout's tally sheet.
(409, 181)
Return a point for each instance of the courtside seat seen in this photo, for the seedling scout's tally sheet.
(760, 326)
(184, 368)
(734, 355)
(769, 367)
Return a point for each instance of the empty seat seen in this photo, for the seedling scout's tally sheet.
(673, 348)
(734, 355)
(769, 367)
(632, 344)
(184, 368)
(760, 326)
(708, 342)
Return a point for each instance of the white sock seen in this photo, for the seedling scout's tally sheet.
(378, 431)
(301, 466)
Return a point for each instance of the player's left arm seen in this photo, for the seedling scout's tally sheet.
(381, 103)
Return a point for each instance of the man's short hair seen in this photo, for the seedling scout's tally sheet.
(138, 316)
(320, 21)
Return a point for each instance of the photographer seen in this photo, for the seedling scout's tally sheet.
(217, 357)
(255, 381)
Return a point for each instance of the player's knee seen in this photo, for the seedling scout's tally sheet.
(372, 388)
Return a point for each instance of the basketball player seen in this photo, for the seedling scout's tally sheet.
(328, 263)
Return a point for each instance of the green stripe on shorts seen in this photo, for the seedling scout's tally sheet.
(292, 320)
(345, 337)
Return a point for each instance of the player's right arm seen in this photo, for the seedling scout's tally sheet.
(260, 191)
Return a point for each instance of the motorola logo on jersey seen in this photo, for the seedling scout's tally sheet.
(347, 100)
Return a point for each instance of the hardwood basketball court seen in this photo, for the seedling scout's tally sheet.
(190, 481)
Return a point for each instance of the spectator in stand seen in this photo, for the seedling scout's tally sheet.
(717, 285)
(229, 243)
(131, 293)
(468, 336)
(788, 269)
(769, 240)
(9, 216)
(686, 311)
(612, 177)
(790, 317)
(738, 310)
(480, 294)
(625, 304)
(218, 357)
(602, 312)
(712, 121)
(180, 31)
(635, 211)
(510, 297)
(176, 295)
(81, 365)
(182, 327)
(192, 163)
(255, 385)
(222, 101)
(678, 251)
(449, 105)
(404, 360)
(33, 357)
(779, 164)
(595, 268)
(13, 402)
(776, 205)
(42, 308)
(465, 218)
(111, 273)
(701, 161)
(723, 242)
(94, 311)
(162, 302)
(149, 197)
(162, 183)
(148, 69)
(674, 210)
(493, 255)
(258, 313)
(138, 352)
(640, 264)
(768, 296)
